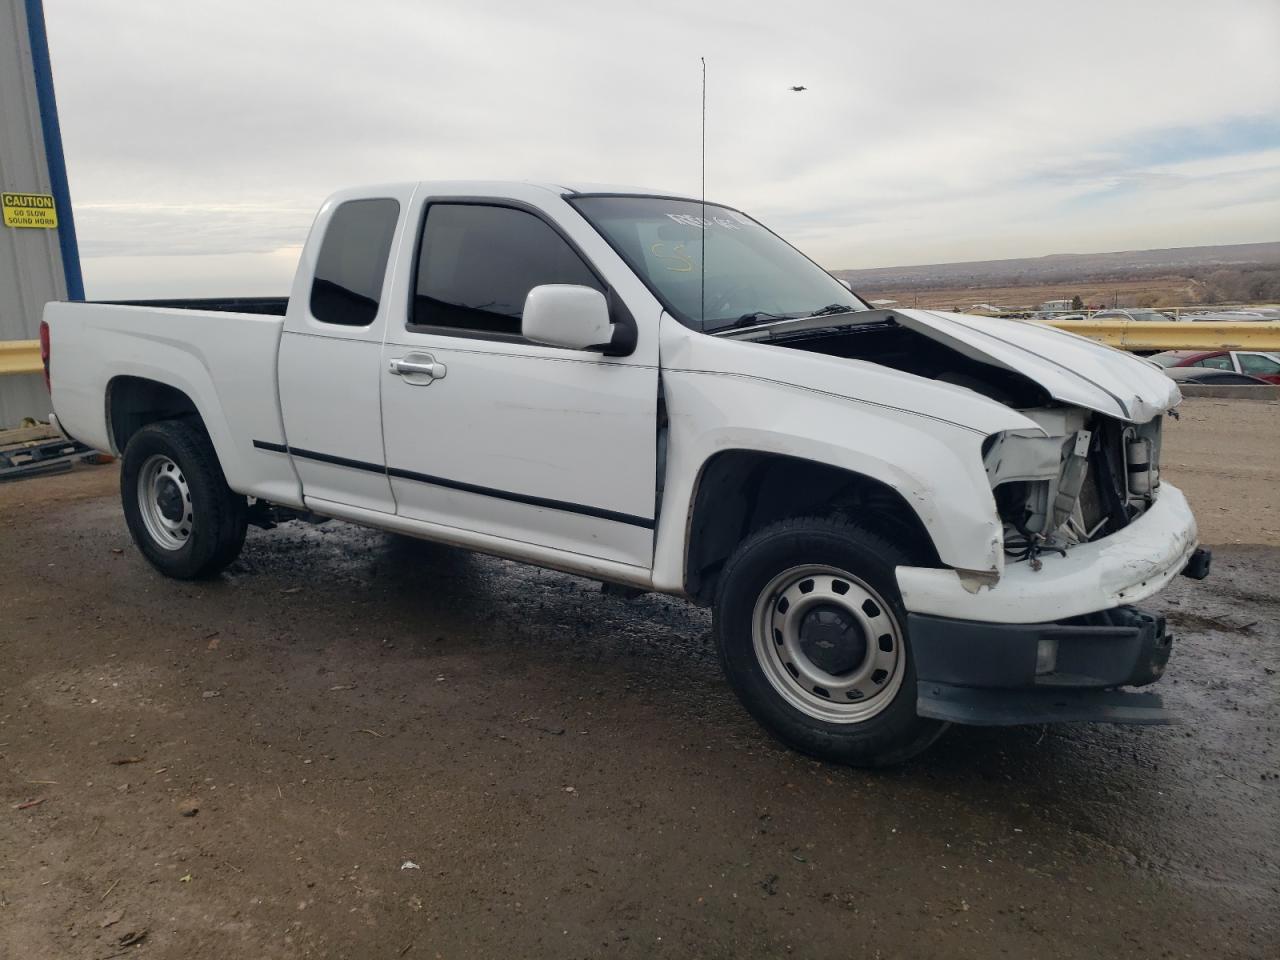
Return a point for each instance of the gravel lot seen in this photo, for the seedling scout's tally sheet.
(357, 746)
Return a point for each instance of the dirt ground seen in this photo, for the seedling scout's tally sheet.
(356, 746)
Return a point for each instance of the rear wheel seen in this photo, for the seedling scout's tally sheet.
(182, 515)
(812, 635)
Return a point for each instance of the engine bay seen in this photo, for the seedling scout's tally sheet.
(1088, 477)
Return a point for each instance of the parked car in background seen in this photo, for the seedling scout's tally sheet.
(1134, 313)
(1215, 378)
(1254, 363)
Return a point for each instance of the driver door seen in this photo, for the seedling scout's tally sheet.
(505, 437)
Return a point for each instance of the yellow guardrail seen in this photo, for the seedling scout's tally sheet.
(1176, 335)
(20, 356)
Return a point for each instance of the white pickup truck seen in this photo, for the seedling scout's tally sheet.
(901, 518)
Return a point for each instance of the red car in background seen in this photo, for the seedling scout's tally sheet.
(1259, 364)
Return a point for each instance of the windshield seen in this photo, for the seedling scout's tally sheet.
(751, 275)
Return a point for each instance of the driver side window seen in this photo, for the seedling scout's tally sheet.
(477, 263)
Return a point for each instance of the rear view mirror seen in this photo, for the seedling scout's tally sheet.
(567, 315)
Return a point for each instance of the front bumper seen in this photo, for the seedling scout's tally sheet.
(1126, 567)
(999, 674)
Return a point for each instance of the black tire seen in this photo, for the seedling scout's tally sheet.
(892, 735)
(215, 518)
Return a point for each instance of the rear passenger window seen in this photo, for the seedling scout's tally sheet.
(477, 263)
(353, 261)
(1219, 362)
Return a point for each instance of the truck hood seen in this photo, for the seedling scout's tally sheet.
(1072, 369)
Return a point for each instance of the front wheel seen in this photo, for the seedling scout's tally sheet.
(182, 515)
(812, 635)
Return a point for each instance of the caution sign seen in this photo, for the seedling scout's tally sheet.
(29, 210)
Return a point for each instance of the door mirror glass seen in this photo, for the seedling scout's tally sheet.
(567, 315)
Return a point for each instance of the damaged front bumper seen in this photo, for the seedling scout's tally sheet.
(1125, 567)
(1000, 673)
(1053, 644)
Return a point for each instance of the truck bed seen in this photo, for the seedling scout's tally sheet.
(224, 361)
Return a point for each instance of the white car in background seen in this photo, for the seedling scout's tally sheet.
(1136, 314)
(1261, 315)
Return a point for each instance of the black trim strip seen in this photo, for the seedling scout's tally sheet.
(522, 498)
(400, 474)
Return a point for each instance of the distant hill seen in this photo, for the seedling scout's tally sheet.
(1068, 268)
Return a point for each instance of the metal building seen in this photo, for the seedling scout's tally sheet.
(37, 263)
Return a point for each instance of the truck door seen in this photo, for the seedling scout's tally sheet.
(494, 434)
(330, 352)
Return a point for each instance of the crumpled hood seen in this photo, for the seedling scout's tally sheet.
(1071, 368)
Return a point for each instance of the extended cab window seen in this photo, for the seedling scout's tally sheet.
(353, 261)
(477, 263)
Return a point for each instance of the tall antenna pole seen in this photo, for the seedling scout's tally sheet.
(704, 193)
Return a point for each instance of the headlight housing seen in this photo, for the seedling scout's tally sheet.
(1037, 479)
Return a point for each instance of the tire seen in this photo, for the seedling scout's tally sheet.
(812, 637)
(181, 514)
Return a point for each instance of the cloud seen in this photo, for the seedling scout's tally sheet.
(928, 132)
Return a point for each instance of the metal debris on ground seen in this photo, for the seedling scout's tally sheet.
(37, 449)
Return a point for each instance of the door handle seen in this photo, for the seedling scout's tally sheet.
(419, 370)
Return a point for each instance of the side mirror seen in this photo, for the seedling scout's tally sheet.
(846, 284)
(567, 315)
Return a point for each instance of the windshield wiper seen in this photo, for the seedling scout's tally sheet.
(757, 317)
(760, 317)
(832, 308)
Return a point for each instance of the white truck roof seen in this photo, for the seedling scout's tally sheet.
(514, 187)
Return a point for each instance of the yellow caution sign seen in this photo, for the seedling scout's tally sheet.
(29, 210)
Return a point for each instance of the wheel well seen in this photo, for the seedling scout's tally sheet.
(134, 402)
(742, 491)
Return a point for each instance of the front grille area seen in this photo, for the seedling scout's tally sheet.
(1111, 497)
(1107, 474)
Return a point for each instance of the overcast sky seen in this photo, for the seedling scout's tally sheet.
(201, 136)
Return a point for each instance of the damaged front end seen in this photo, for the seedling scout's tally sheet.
(1071, 670)
(1087, 476)
(1079, 489)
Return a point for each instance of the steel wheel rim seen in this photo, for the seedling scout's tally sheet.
(164, 500)
(788, 616)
